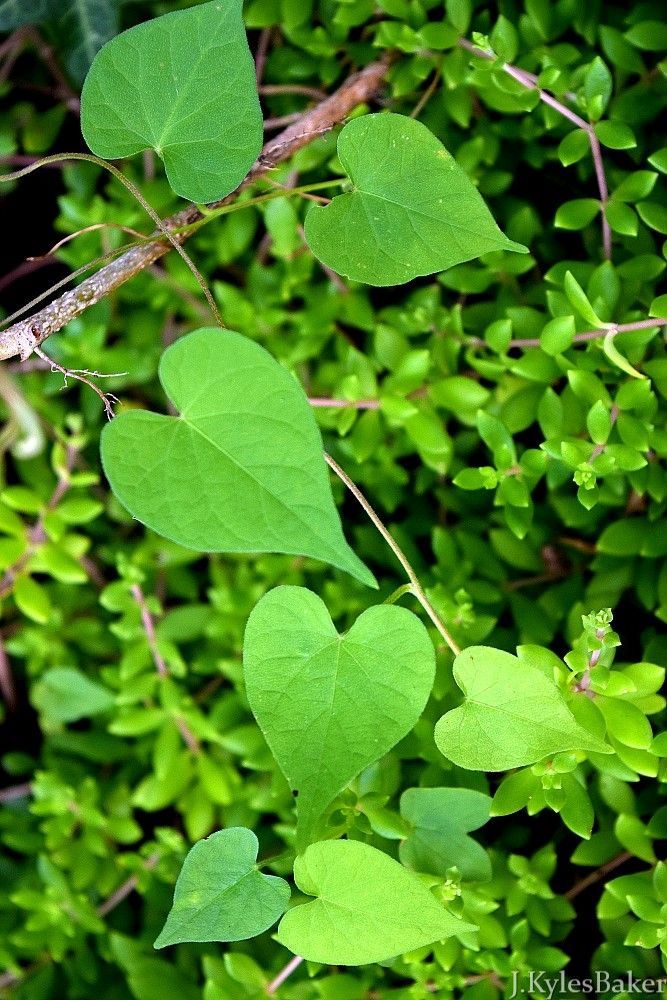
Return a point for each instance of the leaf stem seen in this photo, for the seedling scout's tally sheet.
(405, 588)
(7, 684)
(415, 586)
(9, 978)
(284, 974)
(124, 890)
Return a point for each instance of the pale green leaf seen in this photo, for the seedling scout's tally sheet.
(557, 336)
(411, 211)
(32, 599)
(512, 715)
(184, 85)
(577, 297)
(220, 895)
(330, 705)
(368, 907)
(615, 356)
(441, 819)
(241, 469)
(64, 694)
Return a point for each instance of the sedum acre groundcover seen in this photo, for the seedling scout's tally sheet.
(333, 553)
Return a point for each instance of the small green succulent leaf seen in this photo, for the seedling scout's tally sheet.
(512, 715)
(578, 298)
(412, 210)
(441, 819)
(241, 469)
(329, 705)
(64, 694)
(220, 895)
(610, 349)
(184, 85)
(368, 907)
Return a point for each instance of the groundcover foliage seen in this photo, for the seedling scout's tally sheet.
(331, 661)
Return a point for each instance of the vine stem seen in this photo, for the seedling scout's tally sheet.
(148, 626)
(345, 404)
(284, 974)
(416, 588)
(586, 335)
(162, 226)
(530, 82)
(20, 338)
(598, 874)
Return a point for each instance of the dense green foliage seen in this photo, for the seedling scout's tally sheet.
(364, 792)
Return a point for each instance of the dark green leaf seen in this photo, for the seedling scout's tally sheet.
(220, 895)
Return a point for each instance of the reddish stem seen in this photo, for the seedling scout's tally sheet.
(284, 974)
(580, 338)
(529, 81)
(345, 404)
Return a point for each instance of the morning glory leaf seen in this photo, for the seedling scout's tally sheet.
(241, 469)
(368, 907)
(184, 85)
(411, 211)
(512, 715)
(330, 705)
(441, 819)
(220, 895)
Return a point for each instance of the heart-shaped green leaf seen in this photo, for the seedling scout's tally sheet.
(330, 705)
(512, 715)
(412, 209)
(184, 85)
(441, 819)
(368, 907)
(220, 895)
(241, 469)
